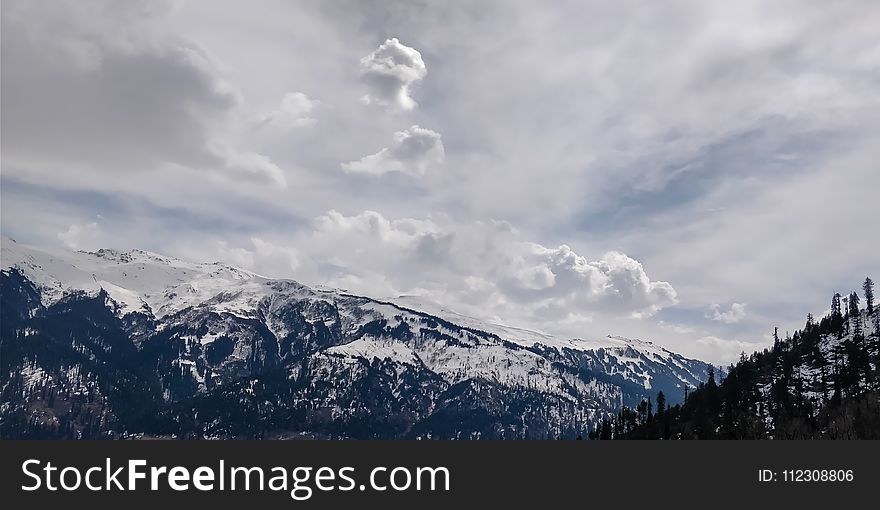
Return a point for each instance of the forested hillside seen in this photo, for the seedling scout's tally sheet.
(821, 382)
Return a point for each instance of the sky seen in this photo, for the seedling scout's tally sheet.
(692, 173)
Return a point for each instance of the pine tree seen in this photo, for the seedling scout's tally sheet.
(855, 315)
(836, 319)
(868, 287)
(853, 303)
(661, 403)
(820, 361)
(835, 306)
(606, 429)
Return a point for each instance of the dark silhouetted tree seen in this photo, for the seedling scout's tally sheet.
(854, 315)
(835, 306)
(661, 403)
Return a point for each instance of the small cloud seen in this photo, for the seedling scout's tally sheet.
(295, 110)
(723, 350)
(80, 236)
(389, 72)
(255, 165)
(298, 104)
(736, 313)
(413, 151)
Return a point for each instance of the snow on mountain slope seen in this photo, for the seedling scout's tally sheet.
(133, 279)
(528, 337)
(630, 354)
(337, 327)
(521, 336)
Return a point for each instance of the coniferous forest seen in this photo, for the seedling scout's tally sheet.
(820, 382)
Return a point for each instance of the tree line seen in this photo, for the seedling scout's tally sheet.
(820, 382)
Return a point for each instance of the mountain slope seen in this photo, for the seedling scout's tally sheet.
(822, 382)
(117, 343)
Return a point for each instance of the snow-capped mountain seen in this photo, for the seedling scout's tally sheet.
(126, 343)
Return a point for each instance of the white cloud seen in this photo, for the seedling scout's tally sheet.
(296, 110)
(413, 151)
(257, 165)
(390, 71)
(262, 257)
(270, 254)
(721, 350)
(482, 268)
(81, 236)
(299, 106)
(736, 313)
(615, 283)
(235, 255)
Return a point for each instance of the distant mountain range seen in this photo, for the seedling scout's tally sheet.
(123, 344)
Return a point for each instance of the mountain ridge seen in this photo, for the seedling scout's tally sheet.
(211, 328)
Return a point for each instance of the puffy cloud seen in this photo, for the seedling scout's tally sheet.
(721, 350)
(371, 224)
(261, 256)
(81, 236)
(390, 71)
(298, 105)
(235, 255)
(624, 281)
(483, 268)
(736, 313)
(95, 87)
(413, 151)
(255, 164)
(614, 282)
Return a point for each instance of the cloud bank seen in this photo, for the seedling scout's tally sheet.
(485, 267)
(96, 88)
(585, 126)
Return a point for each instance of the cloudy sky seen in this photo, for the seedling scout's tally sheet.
(692, 173)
